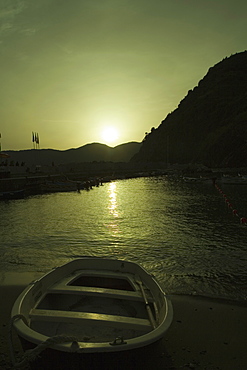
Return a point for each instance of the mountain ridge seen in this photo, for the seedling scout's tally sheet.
(209, 124)
(87, 153)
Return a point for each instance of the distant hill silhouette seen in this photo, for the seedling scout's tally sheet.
(87, 153)
(210, 124)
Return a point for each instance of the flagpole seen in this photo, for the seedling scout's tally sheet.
(33, 140)
(37, 140)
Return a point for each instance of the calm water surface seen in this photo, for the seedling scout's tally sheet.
(183, 233)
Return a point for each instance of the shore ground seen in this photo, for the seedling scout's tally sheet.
(209, 334)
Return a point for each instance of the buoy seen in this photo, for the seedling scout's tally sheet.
(243, 220)
(235, 212)
(229, 205)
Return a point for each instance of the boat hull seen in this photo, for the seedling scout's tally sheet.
(92, 306)
(146, 357)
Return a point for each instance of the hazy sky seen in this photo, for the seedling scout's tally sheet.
(70, 69)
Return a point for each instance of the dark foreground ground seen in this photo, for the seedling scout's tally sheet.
(205, 334)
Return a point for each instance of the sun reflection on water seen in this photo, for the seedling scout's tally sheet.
(113, 225)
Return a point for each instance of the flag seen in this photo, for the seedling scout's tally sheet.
(33, 137)
(37, 138)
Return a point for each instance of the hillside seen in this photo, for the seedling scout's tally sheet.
(87, 153)
(210, 124)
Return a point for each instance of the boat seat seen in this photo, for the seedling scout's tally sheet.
(98, 273)
(102, 292)
(88, 317)
(69, 279)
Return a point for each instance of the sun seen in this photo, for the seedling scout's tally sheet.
(109, 134)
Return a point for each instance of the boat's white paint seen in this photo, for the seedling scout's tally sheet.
(95, 321)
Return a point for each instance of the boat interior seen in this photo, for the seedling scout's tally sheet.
(94, 307)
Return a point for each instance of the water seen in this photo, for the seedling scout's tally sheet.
(183, 233)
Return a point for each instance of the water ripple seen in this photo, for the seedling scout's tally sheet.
(182, 233)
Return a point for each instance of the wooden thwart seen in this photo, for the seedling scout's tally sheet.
(94, 291)
(86, 317)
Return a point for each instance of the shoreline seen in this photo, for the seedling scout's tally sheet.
(206, 333)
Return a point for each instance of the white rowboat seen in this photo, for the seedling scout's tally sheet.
(92, 305)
